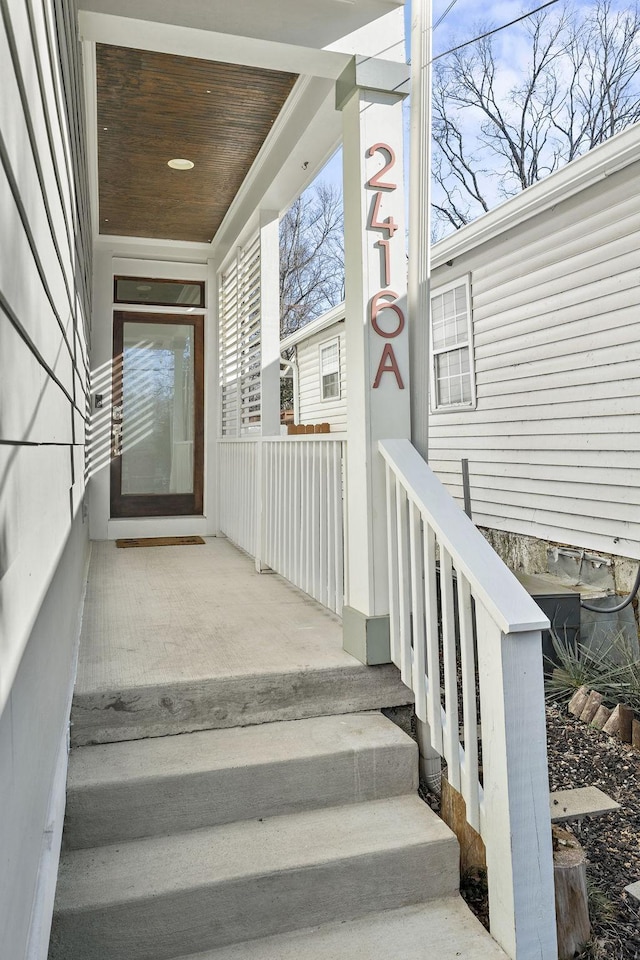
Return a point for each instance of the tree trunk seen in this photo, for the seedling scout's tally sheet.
(572, 910)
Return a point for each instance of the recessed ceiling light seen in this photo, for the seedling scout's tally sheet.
(181, 164)
(143, 287)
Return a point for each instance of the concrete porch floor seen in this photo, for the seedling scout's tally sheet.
(191, 637)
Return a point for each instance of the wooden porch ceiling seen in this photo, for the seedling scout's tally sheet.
(152, 108)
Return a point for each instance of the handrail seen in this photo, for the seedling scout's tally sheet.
(467, 640)
(339, 437)
(487, 574)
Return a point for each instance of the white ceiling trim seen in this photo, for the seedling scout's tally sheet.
(208, 45)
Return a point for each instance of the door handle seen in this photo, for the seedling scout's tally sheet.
(116, 430)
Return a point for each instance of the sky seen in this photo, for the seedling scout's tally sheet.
(464, 20)
(456, 26)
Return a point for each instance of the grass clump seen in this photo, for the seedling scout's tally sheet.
(613, 671)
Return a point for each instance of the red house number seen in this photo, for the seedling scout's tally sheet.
(383, 299)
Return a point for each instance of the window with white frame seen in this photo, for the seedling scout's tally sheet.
(453, 375)
(330, 369)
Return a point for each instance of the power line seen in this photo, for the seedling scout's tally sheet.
(445, 14)
(489, 33)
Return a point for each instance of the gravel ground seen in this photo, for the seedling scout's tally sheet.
(580, 756)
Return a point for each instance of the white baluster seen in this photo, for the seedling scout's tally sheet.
(434, 706)
(404, 586)
(393, 566)
(470, 786)
(451, 735)
(417, 610)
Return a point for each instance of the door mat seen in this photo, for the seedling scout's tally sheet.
(160, 542)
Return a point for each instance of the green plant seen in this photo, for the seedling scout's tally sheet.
(591, 951)
(613, 671)
(601, 908)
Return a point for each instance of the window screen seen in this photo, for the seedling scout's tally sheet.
(453, 376)
(330, 369)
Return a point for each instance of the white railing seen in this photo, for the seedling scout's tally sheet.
(281, 500)
(238, 490)
(467, 639)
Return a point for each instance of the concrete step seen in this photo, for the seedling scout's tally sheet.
(445, 929)
(164, 785)
(110, 714)
(166, 897)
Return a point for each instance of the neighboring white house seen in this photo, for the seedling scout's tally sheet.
(317, 362)
(535, 375)
(534, 363)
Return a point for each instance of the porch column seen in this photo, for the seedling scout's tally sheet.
(370, 95)
(270, 323)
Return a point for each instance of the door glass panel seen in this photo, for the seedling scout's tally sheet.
(158, 408)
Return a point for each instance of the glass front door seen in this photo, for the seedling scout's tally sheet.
(157, 415)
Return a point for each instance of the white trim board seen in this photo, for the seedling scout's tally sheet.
(604, 160)
(334, 316)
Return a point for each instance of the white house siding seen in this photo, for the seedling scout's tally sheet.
(554, 444)
(44, 308)
(313, 409)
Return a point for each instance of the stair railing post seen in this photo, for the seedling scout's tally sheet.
(516, 823)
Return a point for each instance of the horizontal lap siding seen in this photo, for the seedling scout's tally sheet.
(45, 275)
(554, 444)
(312, 408)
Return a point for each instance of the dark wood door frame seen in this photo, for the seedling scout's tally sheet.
(169, 504)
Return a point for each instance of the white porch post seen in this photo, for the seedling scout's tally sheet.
(370, 95)
(269, 361)
(270, 323)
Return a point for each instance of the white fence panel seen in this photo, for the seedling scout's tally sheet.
(281, 500)
(303, 514)
(238, 491)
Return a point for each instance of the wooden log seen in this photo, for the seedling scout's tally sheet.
(635, 735)
(591, 706)
(570, 879)
(620, 723)
(626, 723)
(453, 811)
(578, 700)
(612, 726)
(602, 715)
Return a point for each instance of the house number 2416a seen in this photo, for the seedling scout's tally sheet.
(384, 300)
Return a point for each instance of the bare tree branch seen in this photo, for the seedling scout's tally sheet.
(311, 257)
(580, 86)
